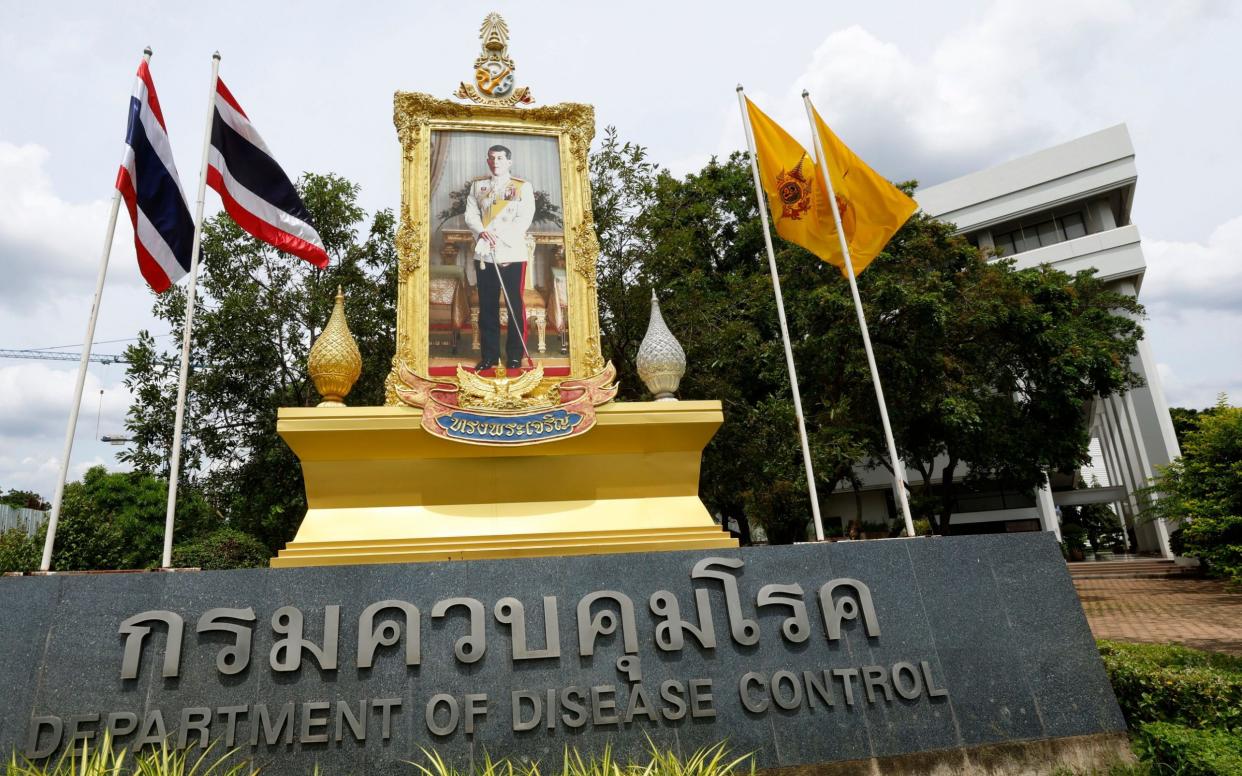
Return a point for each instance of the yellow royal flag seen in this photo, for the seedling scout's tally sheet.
(872, 209)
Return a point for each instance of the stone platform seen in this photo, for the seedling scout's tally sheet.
(927, 655)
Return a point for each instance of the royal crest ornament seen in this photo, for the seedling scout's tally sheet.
(795, 191)
(506, 411)
(493, 70)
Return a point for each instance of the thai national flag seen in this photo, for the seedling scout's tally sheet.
(256, 192)
(163, 229)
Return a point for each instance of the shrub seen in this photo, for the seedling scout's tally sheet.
(710, 761)
(781, 507)
(116, 521)
(1162, 683)
(225, 548)
(1217, 542)
(1100, 524)
(1205, 484)
(104, 760)
(1074, 535)
(1190, 752)
(18, 551)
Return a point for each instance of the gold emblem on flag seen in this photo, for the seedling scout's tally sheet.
(849, 217)
(794, 190)
(493, 69)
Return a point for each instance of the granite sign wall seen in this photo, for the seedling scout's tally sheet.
(808, 654)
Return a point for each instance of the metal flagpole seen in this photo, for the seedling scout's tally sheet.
(174, 462)
(899, 468)
(59, 494)
(780, 315)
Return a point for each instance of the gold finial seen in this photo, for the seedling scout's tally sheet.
(493, 69)
(335, 362)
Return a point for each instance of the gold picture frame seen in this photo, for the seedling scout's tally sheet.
(416, 117)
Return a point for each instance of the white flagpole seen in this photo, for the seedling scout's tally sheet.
(174, 462)
(899, 468)
(59, 494)
(780, 315)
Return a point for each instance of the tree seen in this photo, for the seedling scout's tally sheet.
(1207, 480)
(24, 499)
(19, 551)
(989, 366)
(1186, 421)
(116, 521)
(982, 364)
(1203, 490)
(698, 242)
(259, 313)
(1100, 524)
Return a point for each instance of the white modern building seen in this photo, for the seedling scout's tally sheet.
(1067, 206)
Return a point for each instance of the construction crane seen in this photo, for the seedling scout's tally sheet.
(52, 355)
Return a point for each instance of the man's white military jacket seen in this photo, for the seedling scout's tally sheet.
(504, 208)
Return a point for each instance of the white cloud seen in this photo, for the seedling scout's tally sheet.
(1193, 295)
(35, 399)
(34, 408)
(1185, 276)
(47, 244)
(1018, 77)
(995, 88)
(1198, 391)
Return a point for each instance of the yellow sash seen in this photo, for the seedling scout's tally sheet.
(494, 211)
(497, 207)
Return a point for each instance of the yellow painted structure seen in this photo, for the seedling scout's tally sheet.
(380, 489)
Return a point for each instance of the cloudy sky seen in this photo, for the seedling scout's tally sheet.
(922, 90)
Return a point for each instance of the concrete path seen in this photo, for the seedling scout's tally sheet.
(1193, 612)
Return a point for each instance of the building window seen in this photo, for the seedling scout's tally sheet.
(1073, 225)
(1028, 237)
(987, 497)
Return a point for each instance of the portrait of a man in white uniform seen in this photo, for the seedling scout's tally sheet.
(499, 211)
(497, 287)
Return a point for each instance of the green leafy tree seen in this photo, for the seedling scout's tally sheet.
(115, 520)
(695, 241)
(983, 365)
(988, 366)
(1203, 489)
(19, 551)
(258, 314)
(623, 183)
(1186, 421)
(1102, 524)
(24, 499)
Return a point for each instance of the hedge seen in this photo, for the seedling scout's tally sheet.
(224, 548)
(1189, 752)
(1164, 683)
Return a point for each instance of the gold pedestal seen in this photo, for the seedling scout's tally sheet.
(380, 489)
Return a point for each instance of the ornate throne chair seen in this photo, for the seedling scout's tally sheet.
(448, 308)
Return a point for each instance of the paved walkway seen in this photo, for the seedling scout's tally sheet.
(1194, 612)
